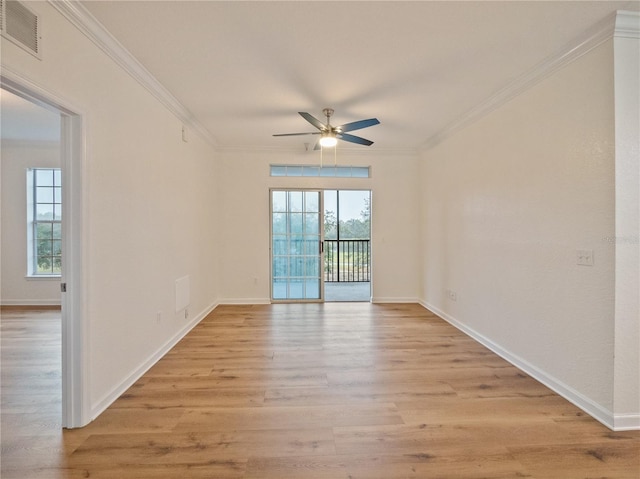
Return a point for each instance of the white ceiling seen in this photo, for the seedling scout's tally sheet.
(244, 69)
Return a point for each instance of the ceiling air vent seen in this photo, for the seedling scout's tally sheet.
(20, 25)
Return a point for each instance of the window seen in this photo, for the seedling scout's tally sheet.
(316, 170)
(44, 221)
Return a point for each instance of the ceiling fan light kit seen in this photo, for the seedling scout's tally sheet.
(327, 140)
(329, 135)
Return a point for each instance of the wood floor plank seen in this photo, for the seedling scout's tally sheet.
(282, 418)
(304, 391)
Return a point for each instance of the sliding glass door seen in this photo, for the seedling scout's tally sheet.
(296, 245)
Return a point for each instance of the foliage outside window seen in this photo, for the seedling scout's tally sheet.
(45, 221)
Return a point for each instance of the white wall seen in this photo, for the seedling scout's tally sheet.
(507, 203)
(16, 288)
(149, 216)
(244, 200)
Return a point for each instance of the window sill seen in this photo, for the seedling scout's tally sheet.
(43, 277)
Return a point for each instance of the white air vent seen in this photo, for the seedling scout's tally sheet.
(20, 25)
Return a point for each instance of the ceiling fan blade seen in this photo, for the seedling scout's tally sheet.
(317, 147)
(314, 121)
(354, 139)
(297, 134)
(357, 125)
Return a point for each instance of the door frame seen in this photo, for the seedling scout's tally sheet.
(75, 378)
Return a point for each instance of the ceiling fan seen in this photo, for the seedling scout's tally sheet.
(329, 135)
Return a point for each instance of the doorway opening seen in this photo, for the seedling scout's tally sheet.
(347, 245)
(320, 245)
(67, 237)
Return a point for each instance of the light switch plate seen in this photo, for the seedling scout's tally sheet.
(585, 257)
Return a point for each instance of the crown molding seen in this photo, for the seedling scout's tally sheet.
(621, 23)
(84, 21)
(627, 25)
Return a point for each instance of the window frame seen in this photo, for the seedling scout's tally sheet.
(53, 224)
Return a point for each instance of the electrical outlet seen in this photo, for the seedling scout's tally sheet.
(452, 295)
(584, 257)
(186, 313)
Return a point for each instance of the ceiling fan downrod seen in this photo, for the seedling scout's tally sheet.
(328, 112)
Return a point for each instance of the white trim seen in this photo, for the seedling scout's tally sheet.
(627, 25)
(595, 410)
(31, 302)
(100, 406)
(592, 38)
(393, 299)
(626, 422)
(75, 336)
(84, 21)
(232, 301)
(42, 277)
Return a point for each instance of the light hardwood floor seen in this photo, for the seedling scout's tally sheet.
(342, 390)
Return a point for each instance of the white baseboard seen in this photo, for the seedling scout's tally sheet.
(393, 299)
(231, 301)
(598, 412)
(31, 302)
(626, 422)
(117, 391)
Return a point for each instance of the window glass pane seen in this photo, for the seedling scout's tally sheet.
(279, 201)
(57, 212)
(44, 177)
(312, 288)
(328, 171)
(44, 247)
(45, 263)
(296, 223)
(296, 244)
(296, 264)
(310, 171)
(57, 265)
(311, 223)
(57, 230)
(279, 289)
(44, 195)
(57, 195)
(279, 223)
(279, 245)
(294, 170)
(343, 172)
(44, 212)
(57, 177)
(360, 172)
(311, 201)
(311, 245)
(295, 201)
(280, 266)
(278, 170)
(296, 289)
(57, 248)
(312, 267)
(44, 231)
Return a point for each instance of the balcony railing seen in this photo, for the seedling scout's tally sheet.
(346, 260)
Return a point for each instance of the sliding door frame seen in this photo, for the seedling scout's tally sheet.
(320, 246)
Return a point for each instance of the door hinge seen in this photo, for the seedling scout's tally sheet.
(63, 287)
